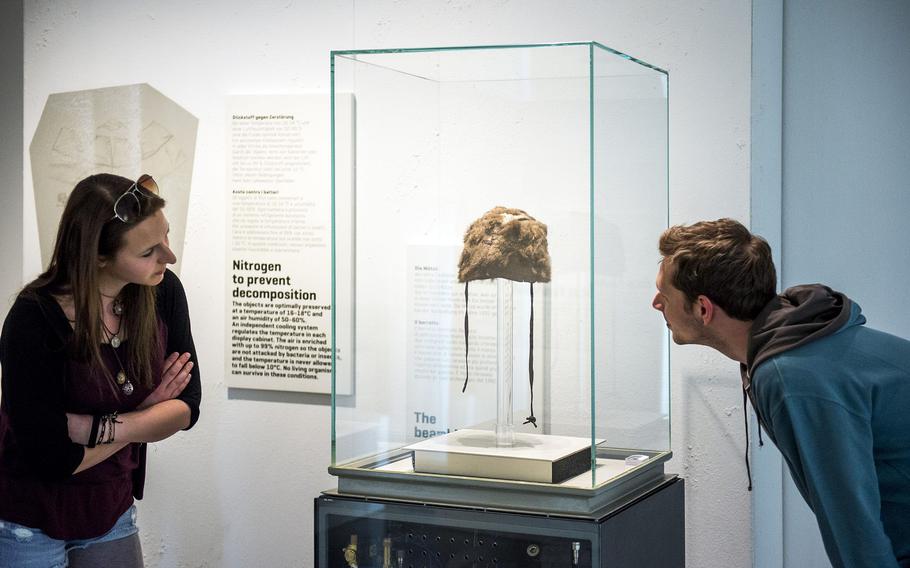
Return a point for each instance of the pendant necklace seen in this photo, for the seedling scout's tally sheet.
(114, 336)
(125, 384)
(114, 339)
(116, 305)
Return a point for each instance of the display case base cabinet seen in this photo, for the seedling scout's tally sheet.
(645, 532)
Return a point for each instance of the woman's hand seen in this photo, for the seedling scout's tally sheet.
(79, 426)
(174, 379)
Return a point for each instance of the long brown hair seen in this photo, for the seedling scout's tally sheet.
(89, 231)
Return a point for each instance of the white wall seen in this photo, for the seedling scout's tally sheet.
(838, 144)
(237, 490)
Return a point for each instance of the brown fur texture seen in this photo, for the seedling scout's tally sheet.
(505, 243)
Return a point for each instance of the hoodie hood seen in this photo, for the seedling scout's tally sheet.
(799, 315)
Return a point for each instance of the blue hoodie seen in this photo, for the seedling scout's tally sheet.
(834, 395)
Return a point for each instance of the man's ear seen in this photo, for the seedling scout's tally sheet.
(705, 309)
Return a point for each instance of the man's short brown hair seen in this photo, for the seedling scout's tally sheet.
(723, 261)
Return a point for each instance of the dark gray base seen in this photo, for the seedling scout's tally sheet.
(649, 532)
(642, 530)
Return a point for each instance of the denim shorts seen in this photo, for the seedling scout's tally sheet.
(25, 547)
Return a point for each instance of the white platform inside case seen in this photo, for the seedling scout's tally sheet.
(474, 453)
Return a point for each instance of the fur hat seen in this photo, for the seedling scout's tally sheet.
(505, 243)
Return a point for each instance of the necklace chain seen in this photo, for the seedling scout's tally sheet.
(113, 338)
(117, 309)
(121, 379)
(108, 330)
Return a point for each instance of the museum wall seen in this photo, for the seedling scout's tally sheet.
(11, 30)
(237, 490)
(844, 73)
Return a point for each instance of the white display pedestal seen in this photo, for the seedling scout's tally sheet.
(531, 457)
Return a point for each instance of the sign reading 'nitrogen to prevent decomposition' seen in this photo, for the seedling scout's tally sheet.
(278, 292)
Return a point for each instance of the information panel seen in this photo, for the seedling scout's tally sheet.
(279, 244)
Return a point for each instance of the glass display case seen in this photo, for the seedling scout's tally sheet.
(495, 216)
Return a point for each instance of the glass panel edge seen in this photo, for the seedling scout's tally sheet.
(629, 57)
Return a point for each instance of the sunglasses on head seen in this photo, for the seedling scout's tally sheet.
(128, 206)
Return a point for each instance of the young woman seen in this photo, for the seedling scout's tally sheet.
(95, 357)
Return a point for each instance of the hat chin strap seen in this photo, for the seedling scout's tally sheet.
(465, 337)
(530, 419)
